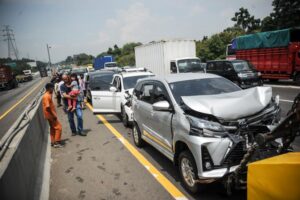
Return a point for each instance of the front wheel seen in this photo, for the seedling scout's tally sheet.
(137, 137)
(188, 171)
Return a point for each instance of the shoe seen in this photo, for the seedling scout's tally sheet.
(57, 145)
(59, 105)
(73, 109)
(73, 134)
(82, 134)
(69, 108)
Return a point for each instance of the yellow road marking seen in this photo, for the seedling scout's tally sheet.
(170, 187)
(20, 101)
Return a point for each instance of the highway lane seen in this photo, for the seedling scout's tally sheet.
(14, 101)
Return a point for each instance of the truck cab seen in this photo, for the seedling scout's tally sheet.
(7, 78)
(185, 65)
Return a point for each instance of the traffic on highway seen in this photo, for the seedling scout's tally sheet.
(181, 110)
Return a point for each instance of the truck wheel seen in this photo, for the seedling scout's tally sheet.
(273, 80)
(188, 171)
(136, 134)
(297, 79)
(124, 117)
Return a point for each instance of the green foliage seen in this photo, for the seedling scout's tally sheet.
(215, 46)
(245, 21)
(286, 14)
(124, 56)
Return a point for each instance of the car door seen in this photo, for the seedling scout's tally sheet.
(104, 100)
(160, 121)
(229, 72)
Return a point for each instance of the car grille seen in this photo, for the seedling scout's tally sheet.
(235, 156)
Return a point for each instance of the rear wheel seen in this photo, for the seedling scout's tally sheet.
(137, 137)
(124, 117)
(188, 171)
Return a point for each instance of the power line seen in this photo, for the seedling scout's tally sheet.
(11, 42)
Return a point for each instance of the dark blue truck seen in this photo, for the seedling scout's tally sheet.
(104, 62)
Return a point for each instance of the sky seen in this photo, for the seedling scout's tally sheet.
(91, 26)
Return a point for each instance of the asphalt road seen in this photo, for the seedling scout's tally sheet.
(13, 102)
(100, 165)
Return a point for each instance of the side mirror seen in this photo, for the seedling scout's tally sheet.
(161, 106)
(113, 89)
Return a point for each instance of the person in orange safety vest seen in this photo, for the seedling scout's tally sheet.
(51, 116)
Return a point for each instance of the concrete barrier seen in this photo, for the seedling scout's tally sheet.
(22, 168)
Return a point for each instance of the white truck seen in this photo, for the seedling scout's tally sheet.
(166, 57)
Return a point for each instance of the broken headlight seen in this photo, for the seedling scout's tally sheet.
(201, 127)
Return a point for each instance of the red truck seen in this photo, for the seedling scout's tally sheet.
(7, 78)
(276, 54)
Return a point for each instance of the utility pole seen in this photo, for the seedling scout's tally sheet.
(48, 47)
(11, 42)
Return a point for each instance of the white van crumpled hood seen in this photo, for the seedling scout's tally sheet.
(231, 106)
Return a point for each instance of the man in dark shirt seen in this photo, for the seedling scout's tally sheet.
(65, 91)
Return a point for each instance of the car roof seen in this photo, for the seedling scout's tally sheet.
(131, 74)
(101, 72)
(182, 77)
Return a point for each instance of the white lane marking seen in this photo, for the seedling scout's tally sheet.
(181, 198)
(283, 86)
(284, 100)
(155, 175)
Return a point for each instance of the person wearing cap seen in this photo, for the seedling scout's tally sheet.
(50, 114)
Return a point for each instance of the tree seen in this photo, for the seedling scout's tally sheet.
(69, 60)
(286, 13)
(109, 51)
(244, 20)
(215, 46)
(116, 51)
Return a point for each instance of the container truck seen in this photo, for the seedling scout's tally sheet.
(104, 62)
(166, 57)
(7, 78)
(276, 54)
(43, 72)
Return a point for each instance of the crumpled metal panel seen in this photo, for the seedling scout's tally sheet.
(231, 106)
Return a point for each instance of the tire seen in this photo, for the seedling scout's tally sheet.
(297, 79)
(137, 137)
(273, 80)
(186, 166)
(124, 117)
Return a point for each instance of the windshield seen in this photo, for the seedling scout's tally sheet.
(79, 71)
(189, 65)
(207, 86)
(101, 82)
(130, 82)
(242, 66)
(110, 64)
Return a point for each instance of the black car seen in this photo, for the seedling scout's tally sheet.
(98, 80)
(241, 72)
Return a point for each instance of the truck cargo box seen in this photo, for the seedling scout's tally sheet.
(156, 56)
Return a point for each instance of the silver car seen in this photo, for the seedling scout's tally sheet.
(195, 120)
